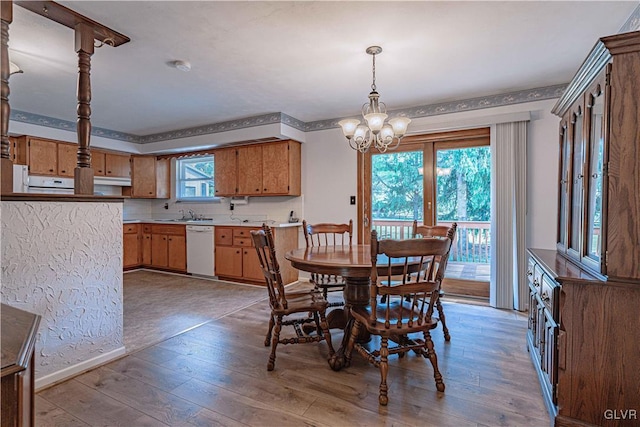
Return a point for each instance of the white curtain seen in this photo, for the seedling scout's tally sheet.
(508, 287)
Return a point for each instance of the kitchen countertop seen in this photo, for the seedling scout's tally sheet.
(218, 223)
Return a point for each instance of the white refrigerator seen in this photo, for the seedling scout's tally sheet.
(20, 178)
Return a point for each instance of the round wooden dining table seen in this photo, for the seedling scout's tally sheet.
(353, 263)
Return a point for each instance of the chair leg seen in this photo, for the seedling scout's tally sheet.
(447, 337)
(327, 335)
(317, 322)
(431, 354)
(274, 343)
(355, 330)
(267, 340)
(384, 369)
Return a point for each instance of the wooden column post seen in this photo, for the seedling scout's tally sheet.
(83, 173)
(6, 164)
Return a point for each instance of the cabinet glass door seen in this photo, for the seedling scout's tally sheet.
(577, 183)
(565, 152)
(594, 194)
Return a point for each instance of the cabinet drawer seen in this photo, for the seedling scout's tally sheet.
(223, 236)
(130, 228)
(548, 294)
(243, 232)
(168, 229)
(242, 241)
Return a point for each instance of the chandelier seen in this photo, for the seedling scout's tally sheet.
(383, 136)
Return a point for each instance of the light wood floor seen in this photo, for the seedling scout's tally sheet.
(216, 374)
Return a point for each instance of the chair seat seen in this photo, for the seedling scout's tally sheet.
(397, 309)
(299, 302)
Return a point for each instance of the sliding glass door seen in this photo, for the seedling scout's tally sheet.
(435, 179)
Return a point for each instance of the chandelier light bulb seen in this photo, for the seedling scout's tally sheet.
(376, 132)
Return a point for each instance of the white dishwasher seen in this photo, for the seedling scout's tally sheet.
(200, 256)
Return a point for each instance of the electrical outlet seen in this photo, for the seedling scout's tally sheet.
(230, 206)
(352, 200)
(166, 205)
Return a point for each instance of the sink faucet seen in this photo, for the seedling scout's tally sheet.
(192, 214)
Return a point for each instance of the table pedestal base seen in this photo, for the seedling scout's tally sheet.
(356, 294)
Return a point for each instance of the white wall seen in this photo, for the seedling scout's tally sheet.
(63, 261)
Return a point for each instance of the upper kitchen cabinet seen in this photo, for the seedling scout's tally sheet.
(225, 171)
(250, 169)
(67, 159)
(599, 182)
(98, 162)
(281, 168)
(18, 149)
(149, 178)
(270, 169)
(42, 156)
(117, 165)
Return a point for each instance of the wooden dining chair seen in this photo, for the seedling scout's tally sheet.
(294, 309)
(327, 234)
(398, 319)
(427, 231)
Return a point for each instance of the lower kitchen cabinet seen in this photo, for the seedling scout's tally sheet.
(169, 247)
(131, 245)
(237, 260)
(228, 261)
(145, 245)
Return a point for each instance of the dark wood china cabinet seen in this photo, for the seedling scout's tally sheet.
(584, 327)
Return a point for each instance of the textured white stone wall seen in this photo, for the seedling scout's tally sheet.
(63, 261)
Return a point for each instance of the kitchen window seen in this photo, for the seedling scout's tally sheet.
(194, 181)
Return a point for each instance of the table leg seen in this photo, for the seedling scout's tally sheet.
(356, 294)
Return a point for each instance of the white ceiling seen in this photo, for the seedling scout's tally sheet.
(304, 59)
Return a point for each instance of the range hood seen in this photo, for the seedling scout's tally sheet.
(110, 180)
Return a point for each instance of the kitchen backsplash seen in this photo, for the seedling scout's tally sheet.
(257, 209)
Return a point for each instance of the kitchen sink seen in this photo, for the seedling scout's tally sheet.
(200, 219)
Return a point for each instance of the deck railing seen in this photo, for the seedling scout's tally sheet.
(472, 242)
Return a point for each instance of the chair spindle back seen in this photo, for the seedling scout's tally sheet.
(263, 242)
(408, 303)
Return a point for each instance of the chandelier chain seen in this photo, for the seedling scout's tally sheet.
(373, 85)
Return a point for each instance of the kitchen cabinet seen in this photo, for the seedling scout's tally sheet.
(250, 166)
(117, 165)
(269, 169)
(150, 178)
(43, 156)
(67, 159)
(18, 150)
(131, 245)
(98, 162)
(169, 247)
(237, 260)
(281, 168)
(145, 245)
(225, 172)
(583, 326)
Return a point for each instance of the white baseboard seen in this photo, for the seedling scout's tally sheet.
(78, 368)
